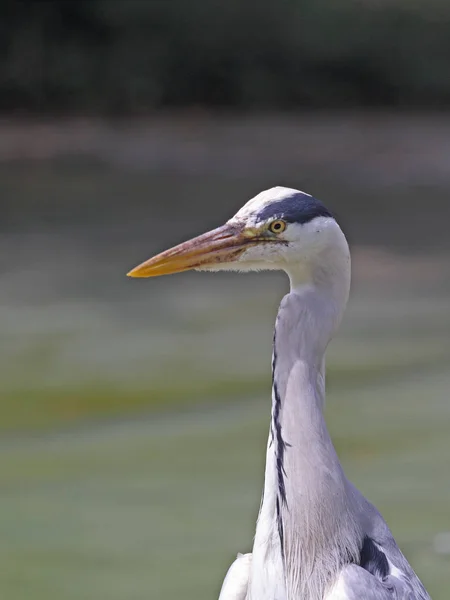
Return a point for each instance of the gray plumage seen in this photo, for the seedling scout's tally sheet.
(317, 537)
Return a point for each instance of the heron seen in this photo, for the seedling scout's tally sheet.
(317, 537)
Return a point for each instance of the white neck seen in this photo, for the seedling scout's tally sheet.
(305, 529)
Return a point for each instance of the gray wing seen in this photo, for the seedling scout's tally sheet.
(382, 565)
(235, 584)
(355, 583)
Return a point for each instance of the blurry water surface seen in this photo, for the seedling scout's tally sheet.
(134, 414)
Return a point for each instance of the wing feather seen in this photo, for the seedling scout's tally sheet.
(235, 584)
(355, 583)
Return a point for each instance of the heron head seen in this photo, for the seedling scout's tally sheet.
(278, 228)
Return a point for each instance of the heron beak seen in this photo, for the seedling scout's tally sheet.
(221, 245)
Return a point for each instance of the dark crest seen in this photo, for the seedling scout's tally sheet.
(297, 208)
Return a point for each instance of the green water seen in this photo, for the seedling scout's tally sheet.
(134, 414)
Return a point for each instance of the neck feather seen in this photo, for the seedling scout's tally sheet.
(306, 515)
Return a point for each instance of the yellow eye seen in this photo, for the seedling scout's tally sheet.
(277, 226)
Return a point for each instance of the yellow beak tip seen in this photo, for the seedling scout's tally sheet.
(135, 273)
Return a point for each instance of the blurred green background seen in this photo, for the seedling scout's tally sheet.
(134, 414)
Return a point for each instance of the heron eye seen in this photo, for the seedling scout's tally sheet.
(277, 226)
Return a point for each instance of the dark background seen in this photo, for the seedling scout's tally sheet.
(125, 57)
(134, 414)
